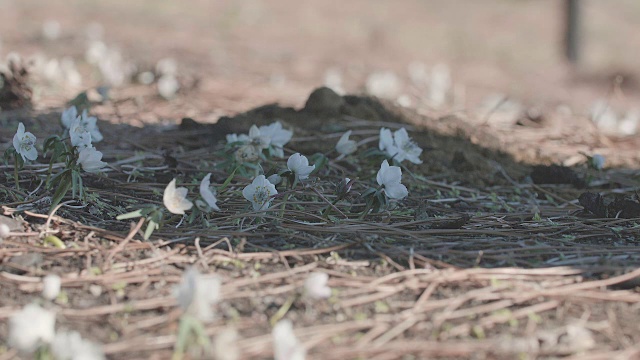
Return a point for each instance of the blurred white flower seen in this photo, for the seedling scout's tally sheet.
(260, 192)
(51, 286)
(69, 115)
(90, 124)
(346, 146)
(231, 138)
(4, 231)
(277, 137)
(299, 165)
(275, 179)
(285, 344)
(316, 287)
(440, 84)
(96, 51)
(25, 143)
(256, 138)
(383, 84)
(168, 86)
(175, 199)
(51, 30)
(79, 135)
(389, 177)
(91, 159)
(598, 161)
(167, 66)
(208, 195)
(407, 149)
(225, 345)
(71, 346)
(399, 146)
(30, 328)
(196, 294)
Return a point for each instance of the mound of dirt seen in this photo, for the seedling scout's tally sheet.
(452, 149)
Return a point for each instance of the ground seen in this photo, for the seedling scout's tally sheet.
(492, 255)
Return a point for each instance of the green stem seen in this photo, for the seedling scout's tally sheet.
(366, 210)
(15, 172)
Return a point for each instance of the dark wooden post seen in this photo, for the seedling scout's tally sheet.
(572, 31)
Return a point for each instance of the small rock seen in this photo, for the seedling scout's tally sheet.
(324, 100)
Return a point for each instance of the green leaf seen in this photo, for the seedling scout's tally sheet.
(64, 184)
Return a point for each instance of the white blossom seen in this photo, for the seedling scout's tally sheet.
(260, 192)
(25, 143)
(299, 165)
(399, 146)
(68, 116)
(316, 287)
(256, 138)
(196, 294)
(346, 146)
(285, 344)
(225, 345)
(598, 161)
(389, 177)
(4, 231)
(79, 135)
(275, 179)
(51, 286)
(208, 195)
(71, 346)
(30, 328)
(168, 86)
(90, 124)
(277, 137)
(91, 159)
(175, 199)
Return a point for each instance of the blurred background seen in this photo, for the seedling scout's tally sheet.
(435, 55)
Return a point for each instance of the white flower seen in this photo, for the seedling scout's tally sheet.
(346, 146)
(51, 286)
(25, 144)
(386, 143)
(79, 135)
(299, 165)
(168, 86)
(285, 344)
(390, 177)
(175, 200)
(256, 138)
(277, 137)
(231, 138)
(225, 345)
(4, 231)
(91, 159)
(316, 285)
(275, 179)
(399, 146)
(31, 327)
(196, 294)
(90, 124)
(260, 192)
(598, 161)
(71, 346)
(68, 116)
(407, 149)
(208, 195)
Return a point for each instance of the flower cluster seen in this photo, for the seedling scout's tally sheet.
(399, 146)
(272, 137)
(83, 131)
